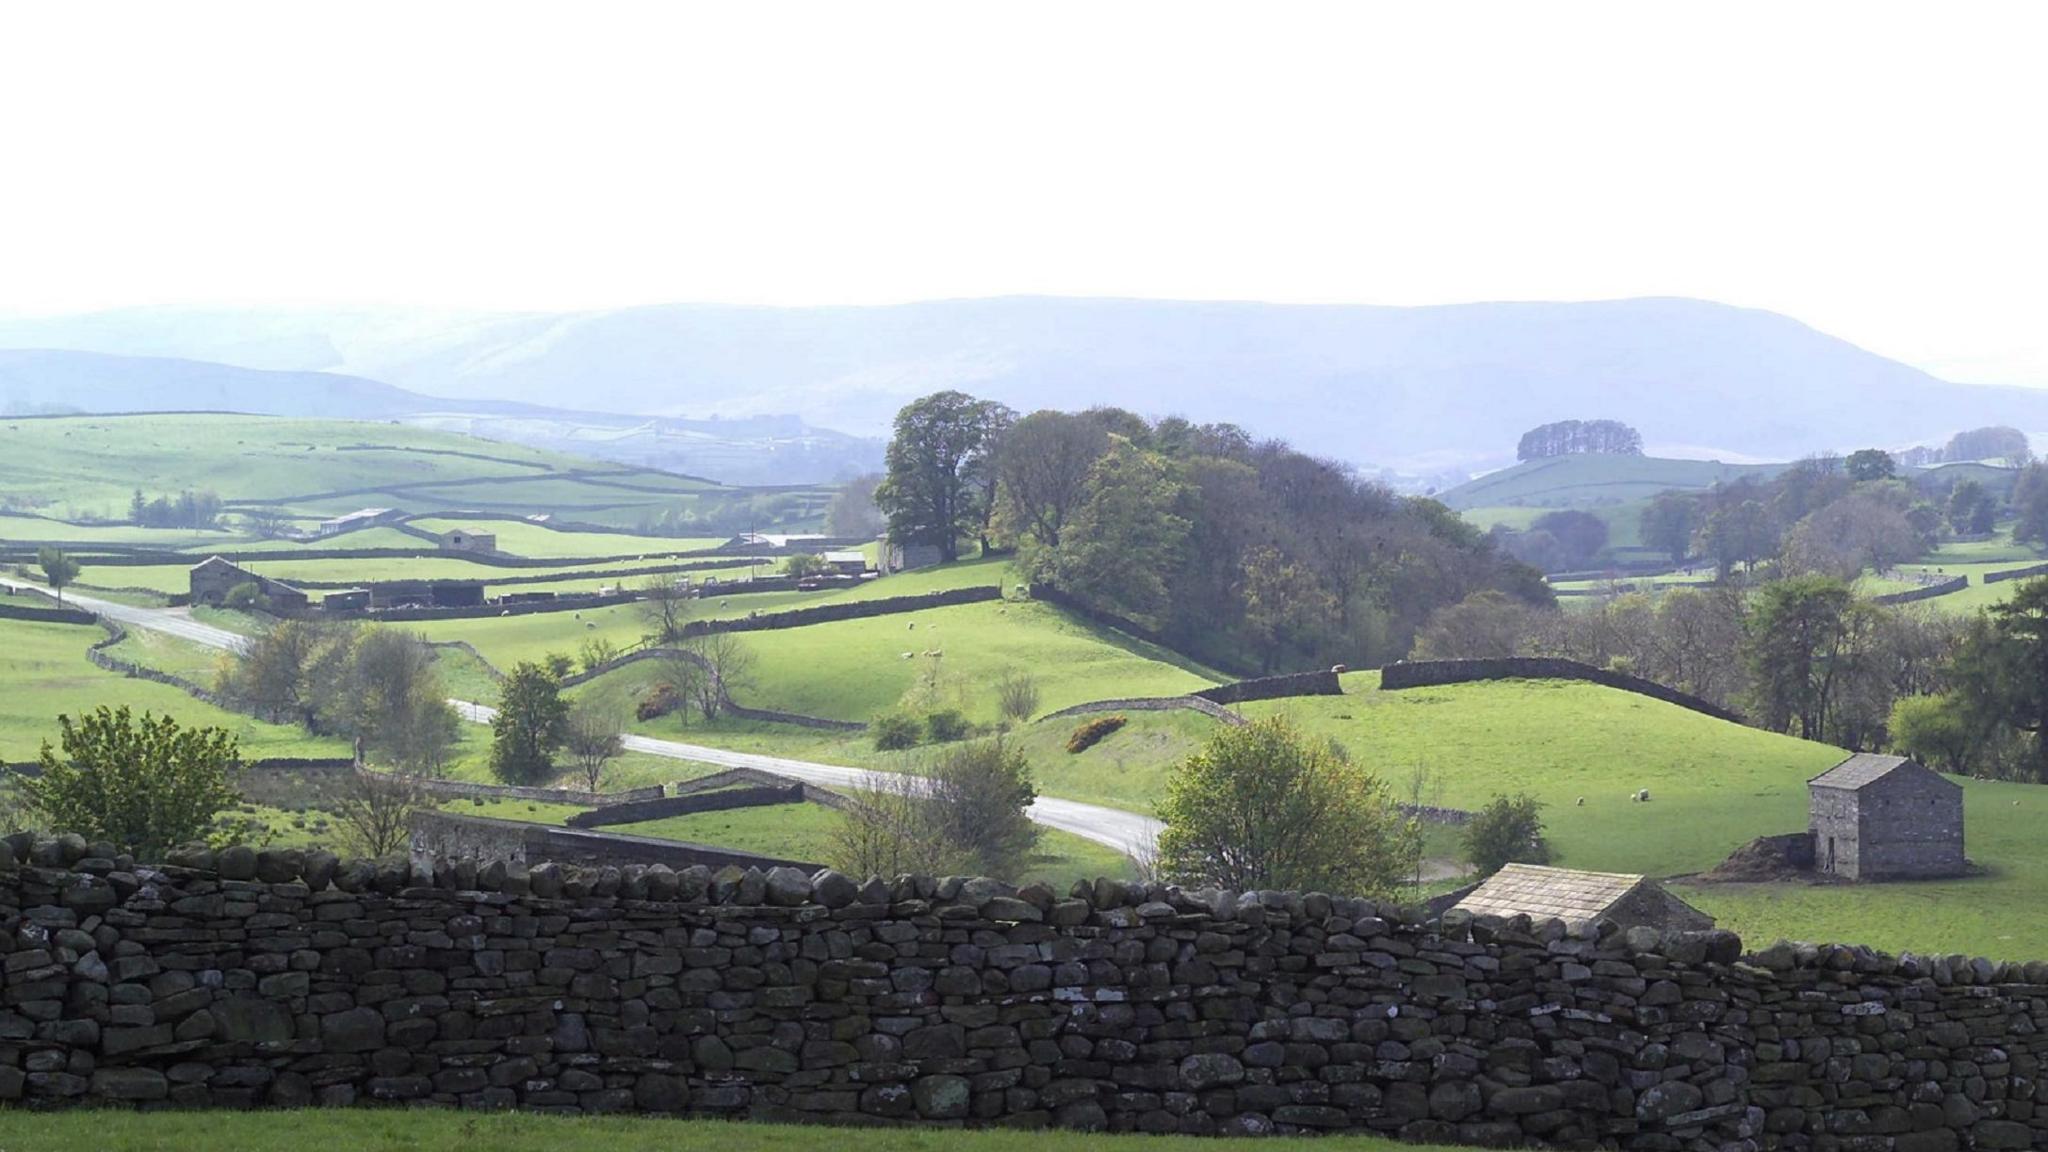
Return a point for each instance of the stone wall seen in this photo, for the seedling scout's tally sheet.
(269, 979)
(1925, 592)
(1208, 708)
(50, 615)
(1432, 673)
(2026, 573)
(468, 789)
(747, 796)
(1320, 683)
(438, 836)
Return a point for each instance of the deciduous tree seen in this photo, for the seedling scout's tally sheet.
(60, 568)
(530, 725)
(143, 784)
(931, 491)
(1263, 807)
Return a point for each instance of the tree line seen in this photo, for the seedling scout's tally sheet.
(1579, 437)
(1246, 553)
(187, 509)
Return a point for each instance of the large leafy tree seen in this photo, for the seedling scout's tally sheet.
(143, 784)
(1262, 806)
(2002, 671)
(1668, 523)
(938, 478)
(1123, 545)
(531, 723)
(1806, 640)
(1043, 472)
(60, 568)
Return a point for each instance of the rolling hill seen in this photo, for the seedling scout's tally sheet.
(1420, 388)
(764, 449)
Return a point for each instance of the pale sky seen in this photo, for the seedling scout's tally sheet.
(1875, 170)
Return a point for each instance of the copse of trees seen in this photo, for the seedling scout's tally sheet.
(376, 686)
(187, 509)
(1252, 555)
(1579, 437)
(941, 476)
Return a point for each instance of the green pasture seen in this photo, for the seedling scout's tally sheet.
(382, 536)
(538, 540)
(45, 674)
(92, 464)
(1591, 481)
(432, 1130)
(37, 530)
(853, 669)
(1994, 913)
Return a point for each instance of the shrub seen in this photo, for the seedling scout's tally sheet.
(969, 817)
(1509, 830)
(946, 725)
(244, 595)
(1261, 806)
(1093, 732)
(1017, 696)
(144, 784)
(893, 732)
(660, 700)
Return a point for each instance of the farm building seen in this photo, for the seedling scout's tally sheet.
(427, 594)
(1579, 898)
(212, 579)
(346, 600)
(775, 540)
(361, 518)
(463, 540)
(904, 557)
(846, 563)
(1884, 818)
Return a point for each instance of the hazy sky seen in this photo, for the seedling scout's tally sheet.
(1876, 171)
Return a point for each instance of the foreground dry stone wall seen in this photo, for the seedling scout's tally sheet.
(241, 980)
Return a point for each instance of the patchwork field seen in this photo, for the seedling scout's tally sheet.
(45, 674)
(521, 539)
(1590, 481)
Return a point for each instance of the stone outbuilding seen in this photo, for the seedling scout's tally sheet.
(1580, 898)
(212, 579)
(464, 540)
(1885, 818)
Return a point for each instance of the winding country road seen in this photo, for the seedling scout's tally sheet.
(1123, 831)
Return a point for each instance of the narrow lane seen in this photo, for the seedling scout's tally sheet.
(1123, 831)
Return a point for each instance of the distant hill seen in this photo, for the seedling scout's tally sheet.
(752, 450)
(1590, 481)
(1421, 388)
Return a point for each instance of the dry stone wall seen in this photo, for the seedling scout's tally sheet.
(246, 979)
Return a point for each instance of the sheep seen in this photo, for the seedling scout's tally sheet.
(1642, 796)
(913, 626)
(1580, 802)
(910, 655)
(590, 624)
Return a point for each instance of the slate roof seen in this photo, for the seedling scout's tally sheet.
(1861, 771)
(1541, 893)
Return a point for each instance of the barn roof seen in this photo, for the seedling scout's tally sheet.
(1865, 769)
(1541, 893)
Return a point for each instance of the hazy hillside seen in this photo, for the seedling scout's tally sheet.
(1418, 387)
(750, 450)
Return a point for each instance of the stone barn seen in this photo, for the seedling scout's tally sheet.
(463, 540)
(1885, 818)
(212, 579)
(1579, 898)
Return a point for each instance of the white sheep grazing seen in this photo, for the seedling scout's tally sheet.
(590, 624)
(909, 655)
(1581, 802)
(1642, 796)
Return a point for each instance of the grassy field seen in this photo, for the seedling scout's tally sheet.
(522, 539)
(805, 832)
(853, 669)
(427, 1130)
(37, 530)
(1590, 481)
(45, 674)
